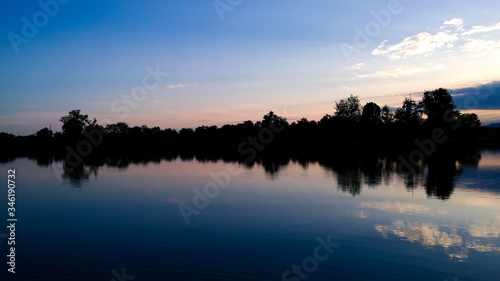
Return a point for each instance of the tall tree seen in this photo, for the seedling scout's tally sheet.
(348, 109)
(371, 114)
(277, 122)
(74, 123)
(44, 136)
(409, 113)
(44, 133)
(386, 115)
(435, 104)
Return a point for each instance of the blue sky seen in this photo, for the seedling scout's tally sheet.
(239, 62)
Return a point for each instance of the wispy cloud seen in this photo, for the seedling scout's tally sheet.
(482, 29)
(358, 66)
(175, 86)
(393, 72)
(480, 47)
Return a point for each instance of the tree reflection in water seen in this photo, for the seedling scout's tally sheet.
(353, 170)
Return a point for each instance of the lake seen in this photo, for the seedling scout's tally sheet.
(178, 217)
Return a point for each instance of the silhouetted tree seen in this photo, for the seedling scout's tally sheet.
(371, 114)
(44, 134)
(327, 119)
(470, 120)
(303, 130)
(348, 109)
(435, 104)
(186, 135)
(350, 126)
(171, 136)
(409, 113)
(74, 124)
(274, 120)
(247, 124)
(469, 125)
(206, 134)
(386, 115)
(120, 128)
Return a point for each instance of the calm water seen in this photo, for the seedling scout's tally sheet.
(282, 219)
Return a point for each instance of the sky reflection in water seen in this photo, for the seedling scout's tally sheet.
(394, 225)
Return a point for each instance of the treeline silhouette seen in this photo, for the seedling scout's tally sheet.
(350, 126)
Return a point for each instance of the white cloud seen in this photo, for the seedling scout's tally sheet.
(450, 36)
(482, 47)
(421, 44)
(482, 29)
(393, 72)
(358, 66)
(457, 23)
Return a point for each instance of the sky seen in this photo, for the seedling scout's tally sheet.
(187, 63)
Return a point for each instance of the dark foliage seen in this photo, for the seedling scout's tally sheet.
(349, 126)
